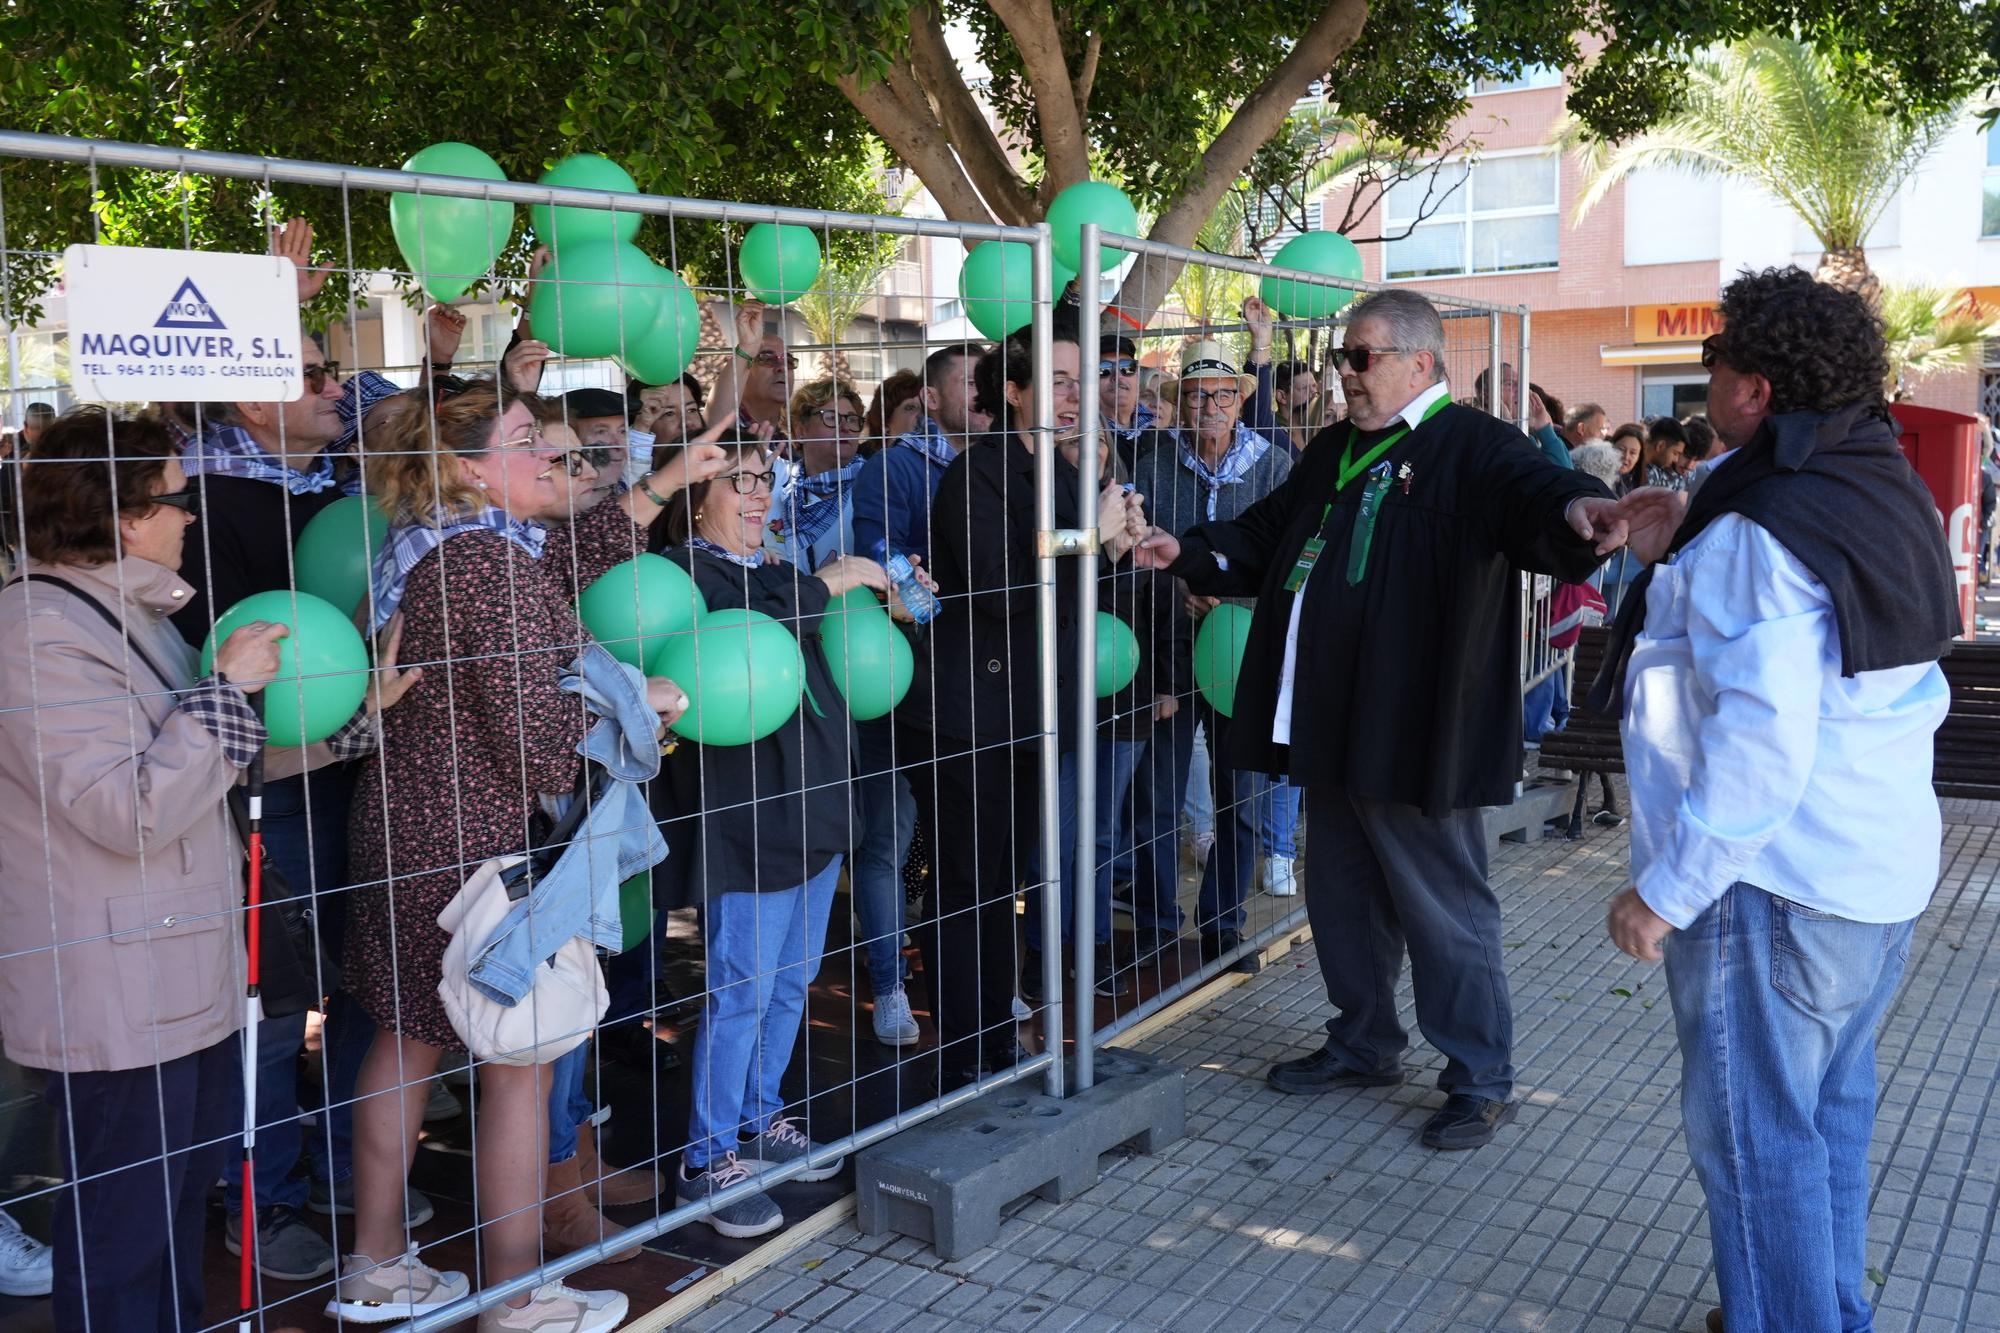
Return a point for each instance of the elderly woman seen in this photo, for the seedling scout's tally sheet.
(815, 520)
(485, 589)
(1212, 469)
(122, 882)
(756, 837)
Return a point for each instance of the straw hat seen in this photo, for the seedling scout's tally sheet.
(1207, 360)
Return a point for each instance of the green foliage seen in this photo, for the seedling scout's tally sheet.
(1930, 328)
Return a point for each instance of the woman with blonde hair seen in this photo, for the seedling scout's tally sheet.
(484, 570)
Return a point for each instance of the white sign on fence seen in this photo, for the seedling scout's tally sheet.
(181, 326)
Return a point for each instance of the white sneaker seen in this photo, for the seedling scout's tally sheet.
(401, 1288)
(27, 1267)
(895, 1025)
(556, 1308)
(1204, 847)
(1280, 881)
(1022, 1013)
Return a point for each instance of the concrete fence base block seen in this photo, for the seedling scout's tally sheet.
(947, 1181)
(1522, 821)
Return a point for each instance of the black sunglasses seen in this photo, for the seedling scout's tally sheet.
(1710, 352)
(183, 499)
(1360, 358)
(1126, 368)
(317, 376)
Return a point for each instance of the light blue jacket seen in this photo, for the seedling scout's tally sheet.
(617, 839)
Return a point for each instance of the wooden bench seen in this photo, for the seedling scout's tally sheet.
(1967, 762)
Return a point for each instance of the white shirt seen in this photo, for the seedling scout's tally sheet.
(1753, 759)
(1281, 722)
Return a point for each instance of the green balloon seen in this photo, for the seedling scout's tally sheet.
(743, 674)
(632, 607)
(1218, 655)
(997, 285)
(667, 348)
(1089, 201)
(450, 243)
(1117, 654)
(322, 664)
(598, 299)
(1323, 252)
(337, 548)
(635, 909)
(870, 658)
(565, 227)
(778, 263)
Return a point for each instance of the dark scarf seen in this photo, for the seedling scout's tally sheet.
(1835, 490)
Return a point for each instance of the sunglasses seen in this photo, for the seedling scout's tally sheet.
(183, 499)
(835, 417)
(1360, 358)
(746, 483)
(1125, 368)
(773, 359)
(317, 376)
(1710, 352)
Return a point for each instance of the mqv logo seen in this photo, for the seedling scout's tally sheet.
(187, 308)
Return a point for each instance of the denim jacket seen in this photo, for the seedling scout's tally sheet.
(617, 839)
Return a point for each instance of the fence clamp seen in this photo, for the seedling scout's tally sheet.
(1066, 541)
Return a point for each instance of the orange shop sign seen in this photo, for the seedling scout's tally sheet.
(1690, 322)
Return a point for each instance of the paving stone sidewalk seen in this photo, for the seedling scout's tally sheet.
(1323, 1213)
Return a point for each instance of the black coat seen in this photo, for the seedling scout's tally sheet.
(1407, 684)
(978, 676)
(776, 809)
(241, 545)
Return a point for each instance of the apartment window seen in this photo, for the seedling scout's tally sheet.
(1534, 76)
(1277, 227)
(1498, 216)
(1989, 224)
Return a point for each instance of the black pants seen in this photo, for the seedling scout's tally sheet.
(1383, 878)
(142, 1147)
(983, 806)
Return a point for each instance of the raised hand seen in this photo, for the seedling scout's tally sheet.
(446, 328)
(294, 241)
(523, 364)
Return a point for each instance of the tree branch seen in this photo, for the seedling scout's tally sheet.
(1086, 78)
(1065, 148)
(920, 141)
(1253, 124)
(979, 149)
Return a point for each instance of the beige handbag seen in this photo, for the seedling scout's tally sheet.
(568, 998)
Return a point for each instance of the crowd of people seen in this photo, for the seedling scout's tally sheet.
(1377, 710)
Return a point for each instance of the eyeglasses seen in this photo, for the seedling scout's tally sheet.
(1064, 385)
(772, 359)
(317, 376)
(1360, 358)
(574, 461)
(1710, 352)
(833, 416)
(1219, 397)
(1125, 368)
(183, 499)
(746, 483)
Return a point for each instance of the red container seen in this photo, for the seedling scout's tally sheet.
(1944, 449)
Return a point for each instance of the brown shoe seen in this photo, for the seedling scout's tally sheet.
(1715, 1321)
(619, 1185)
(570, 1220)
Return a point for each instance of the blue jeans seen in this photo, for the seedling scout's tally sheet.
(1200, 812)
(1116, 762)
(887, 815)
(568, 1107)
(1278, 819)
(763, 949)
(1232, 865)
(309, 848)
(1776, 1006)
(1159, 788)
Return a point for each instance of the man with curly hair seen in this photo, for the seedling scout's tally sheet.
(1780, 687)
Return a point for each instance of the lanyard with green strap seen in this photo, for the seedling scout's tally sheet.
(1371, 502)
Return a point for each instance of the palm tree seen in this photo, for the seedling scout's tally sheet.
(1930, 328)
(844, 288)
(1769, 110)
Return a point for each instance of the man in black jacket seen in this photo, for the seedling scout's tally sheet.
(1384, 569)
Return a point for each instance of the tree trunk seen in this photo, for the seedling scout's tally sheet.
(1847, 267)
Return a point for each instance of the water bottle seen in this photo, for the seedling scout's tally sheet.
(918, 600)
